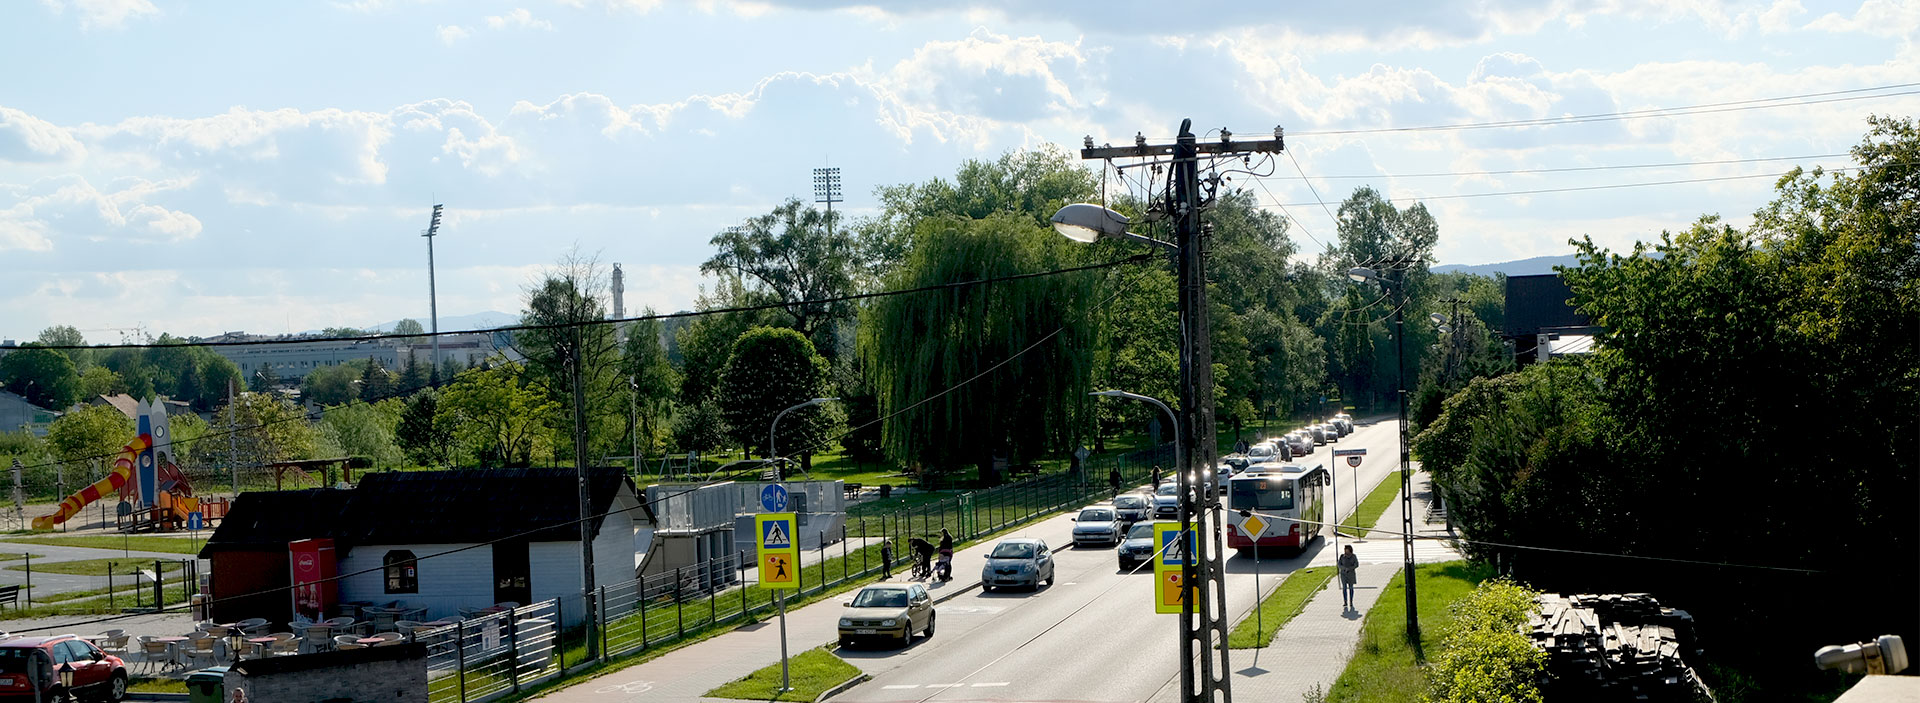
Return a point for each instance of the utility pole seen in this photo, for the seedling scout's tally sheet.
(433, 298)
(1204, 671)
(1406, 474)
(826, 189)
(580, 470)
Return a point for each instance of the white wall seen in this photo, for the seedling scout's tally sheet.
(447, 583)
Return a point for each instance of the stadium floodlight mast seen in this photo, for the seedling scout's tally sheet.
(1396, 285)
(433, 298)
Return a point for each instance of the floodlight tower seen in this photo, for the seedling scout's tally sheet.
(826, 189)
(433, 297)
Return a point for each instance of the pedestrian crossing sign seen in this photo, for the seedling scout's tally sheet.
(779, 555)
(1171, 595)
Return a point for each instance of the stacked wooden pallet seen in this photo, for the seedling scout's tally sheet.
(1615, 647)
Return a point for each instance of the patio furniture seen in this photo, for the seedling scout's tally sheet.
(257, 646)
(318, 636)
(113, 642)
(284, 647)
(169, 649)
(345, 639)
(201, 648)
(251, 625)
(388, 636)
(349, 647)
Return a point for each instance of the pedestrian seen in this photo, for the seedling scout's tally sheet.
(1156, 477)
(1113, 477)
(946, 555)
(922, 558)
(886, 559)
(239, 696)
(1348, 564)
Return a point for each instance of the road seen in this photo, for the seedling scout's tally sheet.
(1093, 636)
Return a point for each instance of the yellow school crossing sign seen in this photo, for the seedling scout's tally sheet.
(779, 555)
(1169, 567)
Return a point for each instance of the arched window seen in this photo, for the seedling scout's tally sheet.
(403, 575)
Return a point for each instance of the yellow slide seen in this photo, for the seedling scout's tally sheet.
(121, 475)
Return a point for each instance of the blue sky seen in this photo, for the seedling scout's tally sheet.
(199, 167)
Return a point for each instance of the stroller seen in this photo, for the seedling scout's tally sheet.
(922, 559)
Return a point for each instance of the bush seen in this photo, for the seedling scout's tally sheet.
(1485, 655)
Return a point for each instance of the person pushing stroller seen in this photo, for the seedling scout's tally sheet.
(922, 558)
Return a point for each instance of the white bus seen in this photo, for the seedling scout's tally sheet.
(1276, 492)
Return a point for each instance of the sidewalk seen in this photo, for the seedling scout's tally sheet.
(687, 673)
(1315, 645)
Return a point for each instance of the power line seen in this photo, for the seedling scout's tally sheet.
(1578, 169)
(1607, 186)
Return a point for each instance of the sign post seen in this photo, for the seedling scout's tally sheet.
(1171, 553)
(779, 565)
(1353, 461)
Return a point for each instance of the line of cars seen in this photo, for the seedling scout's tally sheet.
(893, 612)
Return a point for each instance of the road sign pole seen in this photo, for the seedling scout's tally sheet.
(786, 682)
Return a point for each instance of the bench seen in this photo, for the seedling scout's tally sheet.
(852, 488)
(10, 595)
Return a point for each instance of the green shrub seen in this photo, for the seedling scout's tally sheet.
(1485, 656)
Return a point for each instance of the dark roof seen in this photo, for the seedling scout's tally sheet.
(422, 507)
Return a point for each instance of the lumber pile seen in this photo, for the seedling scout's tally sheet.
(1615, 647)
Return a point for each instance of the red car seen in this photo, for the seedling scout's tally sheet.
(30, 665)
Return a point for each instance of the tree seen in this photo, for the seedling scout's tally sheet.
(218, 377)
(359, 430)
(265, 427)
(409, 326)
(89, 432)
(265, 379)
(376, 383)
(1397, 242)
(566, 339)
(423, 432)
(699, 427)
(188, 429)
(791, 256)
(67, 336)
(99, 380)
(414, 375)
(651, 377)
(770, 370)
(44, 377)
(331, 385)
(500, 416)
(706, 342)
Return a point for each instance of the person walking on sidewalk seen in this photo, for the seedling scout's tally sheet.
(1113, 479)
(946, 555)
(886, 559)
(1349, 564)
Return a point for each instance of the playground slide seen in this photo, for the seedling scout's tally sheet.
(121, 475)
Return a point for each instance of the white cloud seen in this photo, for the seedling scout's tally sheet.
(451, 34)
(1877, 18)
(70, 207)
(518, 17)
(104, 14)
(28, 139)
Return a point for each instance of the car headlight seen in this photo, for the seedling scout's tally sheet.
(1026, 567)
(845, 622)
(887, 622)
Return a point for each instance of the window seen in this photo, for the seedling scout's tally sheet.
(402, 572)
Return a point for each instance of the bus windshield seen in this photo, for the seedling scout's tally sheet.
(1262, 494)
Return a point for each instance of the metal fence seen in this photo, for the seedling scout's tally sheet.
(494, 655)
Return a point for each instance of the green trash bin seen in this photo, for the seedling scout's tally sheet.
(207, 685)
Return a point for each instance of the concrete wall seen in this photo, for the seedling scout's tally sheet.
(383, 674)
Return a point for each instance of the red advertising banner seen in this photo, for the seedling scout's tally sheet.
(314, 566)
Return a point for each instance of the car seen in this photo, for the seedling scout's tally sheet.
(1017, 562)
(1223, 473)
(1099, 526)
(1344, 428)
(1302, 442)
(891, 612)
(1138, 548)
(1319, 434)
(1345, 420)
(28, 666)
(1333, 433)
(1166, 501)
(1132, 507)
(1262, 453)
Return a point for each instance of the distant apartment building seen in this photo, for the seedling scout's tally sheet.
(291, 359)
(18, 414)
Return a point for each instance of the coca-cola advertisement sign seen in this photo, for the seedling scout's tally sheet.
(314, 588)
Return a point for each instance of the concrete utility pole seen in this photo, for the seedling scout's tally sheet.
(1406, 473)
(580, 470)
(1204, 671)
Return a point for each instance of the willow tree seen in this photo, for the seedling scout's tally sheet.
(973, 372)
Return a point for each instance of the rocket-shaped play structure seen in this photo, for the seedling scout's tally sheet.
(144, 473)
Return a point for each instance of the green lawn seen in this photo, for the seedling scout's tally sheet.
(1363, 518)
(96, 567)
(1285, 602)
(811, 673)
(157, 686)
(1385, 667)
(11, 556)
(138, 543)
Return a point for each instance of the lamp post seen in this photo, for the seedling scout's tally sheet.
(1155, 402)
(1397, 286)
(236, 639)
(771, 452)
(786, 681)
(66, 680)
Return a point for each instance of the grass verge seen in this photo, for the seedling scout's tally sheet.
(157, 685)
(144, 543)
(1386, 667)
(811, 673)
(1278, 608)
(1363, 517)
(96, 567)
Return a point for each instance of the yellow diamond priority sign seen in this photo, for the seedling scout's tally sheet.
(1253, 526)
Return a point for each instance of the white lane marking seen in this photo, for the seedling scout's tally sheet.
(944, 685)
(908, 685)
(984, 685)
(628, 687)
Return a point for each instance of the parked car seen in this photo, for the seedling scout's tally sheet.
(1166, 501)
(1133, 507)
(1344, 428)
(1099, 526)
(1017, 562)
(1138, 548)
(1344, 419)
(1262, 453)
(1302, 442)
(1319, 434)
(887, 611)
(28, 664)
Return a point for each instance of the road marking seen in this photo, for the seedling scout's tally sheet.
(944, 685)
(628, 687)
(908, 685)
(984, 685)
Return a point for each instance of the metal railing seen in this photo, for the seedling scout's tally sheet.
(486, 657)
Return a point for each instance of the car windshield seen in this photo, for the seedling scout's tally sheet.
(1096, 515)
(881, 598)
(1260, 450)
(1013, 550)
(1167, 489)
(1140, 531)
(1128, 502)
(1262, 494)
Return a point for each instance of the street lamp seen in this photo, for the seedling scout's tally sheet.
(1086, 222)
(1155, 402)
(1397, 286)
(66, 680)
(236, 640)
(771, 453)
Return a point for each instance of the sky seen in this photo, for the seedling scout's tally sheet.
(201, 166)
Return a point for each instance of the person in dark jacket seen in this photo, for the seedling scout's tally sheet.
(946, 555)
(922, 558)
(1349, 565)
(1113, 479)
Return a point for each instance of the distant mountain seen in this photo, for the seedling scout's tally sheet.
(1524, 267)
(453, 323)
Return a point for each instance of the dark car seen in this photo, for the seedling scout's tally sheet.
(1301, 441)
(28, 665)
(1133, 507)
(1319, 434)
(1138, 548)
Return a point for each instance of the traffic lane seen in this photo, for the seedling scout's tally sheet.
(1057, 643)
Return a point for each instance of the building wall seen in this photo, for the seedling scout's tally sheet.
(390, 680)
(447, 583)
(16, 413)
(245, 584)
(556, 565)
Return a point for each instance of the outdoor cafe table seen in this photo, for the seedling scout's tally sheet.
(173, 647)
(370, 641)
(260, 644)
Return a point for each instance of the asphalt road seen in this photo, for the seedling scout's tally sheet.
(1091, 637)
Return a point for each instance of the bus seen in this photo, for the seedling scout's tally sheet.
(1276, 492)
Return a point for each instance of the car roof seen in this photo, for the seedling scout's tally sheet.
(33, 642)
(1021, 540)
(886, 587)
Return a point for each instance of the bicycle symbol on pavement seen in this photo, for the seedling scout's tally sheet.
(628, 687)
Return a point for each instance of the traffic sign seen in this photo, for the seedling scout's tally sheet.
(1352, 455)
(1171, 596)
(1166, 543)
(779, 555)
(773, 497)
(1353, 461)
(195, 520)
(1253, 526)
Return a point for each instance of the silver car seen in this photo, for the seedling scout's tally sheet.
(1017, 562)
(890, 611)
(1138, 548)
(1099, 526)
